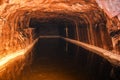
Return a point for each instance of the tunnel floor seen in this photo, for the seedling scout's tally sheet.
(51, 61)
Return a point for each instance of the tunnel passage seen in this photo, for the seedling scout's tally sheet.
(83, 21)
(48, 26)
(78, 26)
(56, 59)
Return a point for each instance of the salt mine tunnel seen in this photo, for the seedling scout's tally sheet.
(59, 40)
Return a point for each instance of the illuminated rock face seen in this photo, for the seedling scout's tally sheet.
(16, 16)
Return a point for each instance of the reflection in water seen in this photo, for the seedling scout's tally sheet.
(52, 61)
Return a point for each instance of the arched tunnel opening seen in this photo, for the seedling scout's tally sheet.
(53, 27)
(56, 59)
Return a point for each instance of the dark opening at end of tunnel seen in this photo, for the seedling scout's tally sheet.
(53, 27)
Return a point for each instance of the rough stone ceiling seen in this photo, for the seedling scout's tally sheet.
(44, 5)
(10, 8)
